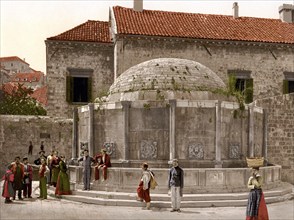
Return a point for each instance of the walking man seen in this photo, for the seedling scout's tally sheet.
(175, 185)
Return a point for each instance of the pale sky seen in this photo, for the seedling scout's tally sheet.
(25, 25)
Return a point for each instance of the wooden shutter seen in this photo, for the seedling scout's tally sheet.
(69, 89)
(285, 86)
(248, 91)
(90, 89)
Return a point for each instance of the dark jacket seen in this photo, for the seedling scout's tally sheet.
(176, 177)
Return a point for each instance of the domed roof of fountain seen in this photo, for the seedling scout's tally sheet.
(169, 77)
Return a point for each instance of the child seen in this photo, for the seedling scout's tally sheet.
(8, 190)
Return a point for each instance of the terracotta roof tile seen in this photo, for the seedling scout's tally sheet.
(90, 31)
(40, 94)
(9, 87)
(202, 26)
(28, 77)
(12, 58)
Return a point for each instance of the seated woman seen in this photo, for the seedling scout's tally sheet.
(256, 207)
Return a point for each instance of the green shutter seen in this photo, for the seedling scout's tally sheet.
(285, 86)
(69, 89)
(249, 91)
(90, 89)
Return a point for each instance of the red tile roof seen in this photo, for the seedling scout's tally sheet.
(202, 26)
(90, 31)
(40, 94)
(10, 59)
(9, 87)
(28, 77)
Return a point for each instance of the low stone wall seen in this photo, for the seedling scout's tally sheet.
(16, 132)
(203, 180)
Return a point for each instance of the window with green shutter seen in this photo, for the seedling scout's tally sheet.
(79, 85)
(244, 83)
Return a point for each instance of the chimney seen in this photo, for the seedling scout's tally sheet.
(138, 5)
(235, 10)
(286, 12)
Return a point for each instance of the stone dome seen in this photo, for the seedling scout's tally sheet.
(166, 77)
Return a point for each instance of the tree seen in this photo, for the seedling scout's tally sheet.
(20, 102)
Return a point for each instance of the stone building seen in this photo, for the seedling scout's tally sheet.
(91, 56)
(15, 65)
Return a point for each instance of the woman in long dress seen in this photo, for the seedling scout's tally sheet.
(256, 207)
(62, 186)
(43, 180)
(8, 190)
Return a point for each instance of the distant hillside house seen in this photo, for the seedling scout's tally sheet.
(14, 65)
(84, 61)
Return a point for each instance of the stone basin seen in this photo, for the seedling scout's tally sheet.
(196, 180)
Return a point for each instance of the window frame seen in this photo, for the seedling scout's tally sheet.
(288, 77)
(78, 73)
(244, 75)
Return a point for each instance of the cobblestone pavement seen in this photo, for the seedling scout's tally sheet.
(54, 208)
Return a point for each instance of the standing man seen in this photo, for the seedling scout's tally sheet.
(87, 160)
(18, 171)
(30, 152)
(42, 147)
(175, 185)
(28, 178)
(103, 161)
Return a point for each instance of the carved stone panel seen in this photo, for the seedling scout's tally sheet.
(148, 149)
(235, 151)
(111, 149)
(195, 151)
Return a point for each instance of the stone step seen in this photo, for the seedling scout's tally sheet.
(188, 200)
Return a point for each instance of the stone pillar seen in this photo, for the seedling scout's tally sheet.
(172, 129)
(74, 150)
(264, 145)
(218, 121)
(251, 131)
(126, 110)
(91, 129)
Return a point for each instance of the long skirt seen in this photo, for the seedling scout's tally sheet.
(256, 206)
(143, 194)
(8, 190)
(43, 187)
(62, 186)
(54, 177)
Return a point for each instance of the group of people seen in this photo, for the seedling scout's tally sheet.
(101, 161)
(256, 206)
(175, 185)
(19, 176)
(18, 180)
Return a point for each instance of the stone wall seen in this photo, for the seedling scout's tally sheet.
(17, 131)
(266, 62)
(280, 127)
(63, 55)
